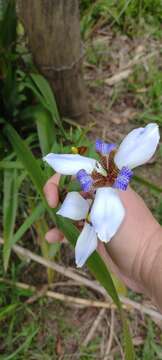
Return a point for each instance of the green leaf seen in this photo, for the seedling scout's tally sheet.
(29, 336)
(39, 85)
(46, 130)
(128, 344)
(45, 126)
(7, 311)
(8, 26)
(35, 215)
(10, 203)
(4, 164)
(42, 90)
(26, 157)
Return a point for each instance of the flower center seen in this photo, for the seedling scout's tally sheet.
(106, 172)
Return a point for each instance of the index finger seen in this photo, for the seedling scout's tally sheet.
(51, 190)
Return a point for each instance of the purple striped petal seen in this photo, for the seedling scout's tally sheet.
(85, 180)
(123, 179)
(104, 148)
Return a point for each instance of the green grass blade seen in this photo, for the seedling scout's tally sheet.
(8, 25)
(7, 311)
(46, 130)
(10, 204)
(128, 344)
(4, 164)
(41, 88)
(30, 220)
(25, 345)
(26, 157)
(47, 93)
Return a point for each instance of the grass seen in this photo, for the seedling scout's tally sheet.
(130, 17)
(47, 330)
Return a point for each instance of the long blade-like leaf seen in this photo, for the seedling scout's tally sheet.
(10, 203)
(46, 130)
(26, 157)
(35, 215)
(95, 263)
(45, 90)
(40, 87)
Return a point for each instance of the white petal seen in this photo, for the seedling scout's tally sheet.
(74, 206)
(86, 244)
(107, 213)
(138, 146)
(68, 164)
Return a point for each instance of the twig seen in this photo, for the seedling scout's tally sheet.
(40, 293)
(59, 296)
(128, 68)
(130, 304)
(60, 269)
(110, 341)
(94, 327)
(142, 308)
(117, 342)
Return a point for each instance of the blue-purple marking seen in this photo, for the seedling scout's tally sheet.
(104, 148)
(123, 179)
(85, 180)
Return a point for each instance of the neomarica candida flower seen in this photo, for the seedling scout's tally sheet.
(103, 212)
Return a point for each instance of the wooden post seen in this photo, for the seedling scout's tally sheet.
(53, 31)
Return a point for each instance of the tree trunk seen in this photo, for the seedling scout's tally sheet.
(53, 30)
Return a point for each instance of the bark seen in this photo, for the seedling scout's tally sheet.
(53, 31)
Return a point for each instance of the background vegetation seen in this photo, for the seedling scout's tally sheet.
(122, 70)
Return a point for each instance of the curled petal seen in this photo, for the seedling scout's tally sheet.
(74, 207)
(107, 213)
(104, 148)
(138, 147)
(68, 164)
(86, 244)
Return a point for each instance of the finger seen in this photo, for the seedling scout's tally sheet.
(51, 190)
(54, 235)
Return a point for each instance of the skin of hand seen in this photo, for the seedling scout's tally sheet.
(133, 251)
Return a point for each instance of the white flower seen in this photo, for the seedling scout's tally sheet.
(136, 149)
(104, 219)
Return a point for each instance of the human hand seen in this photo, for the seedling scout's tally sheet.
(132, 250)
